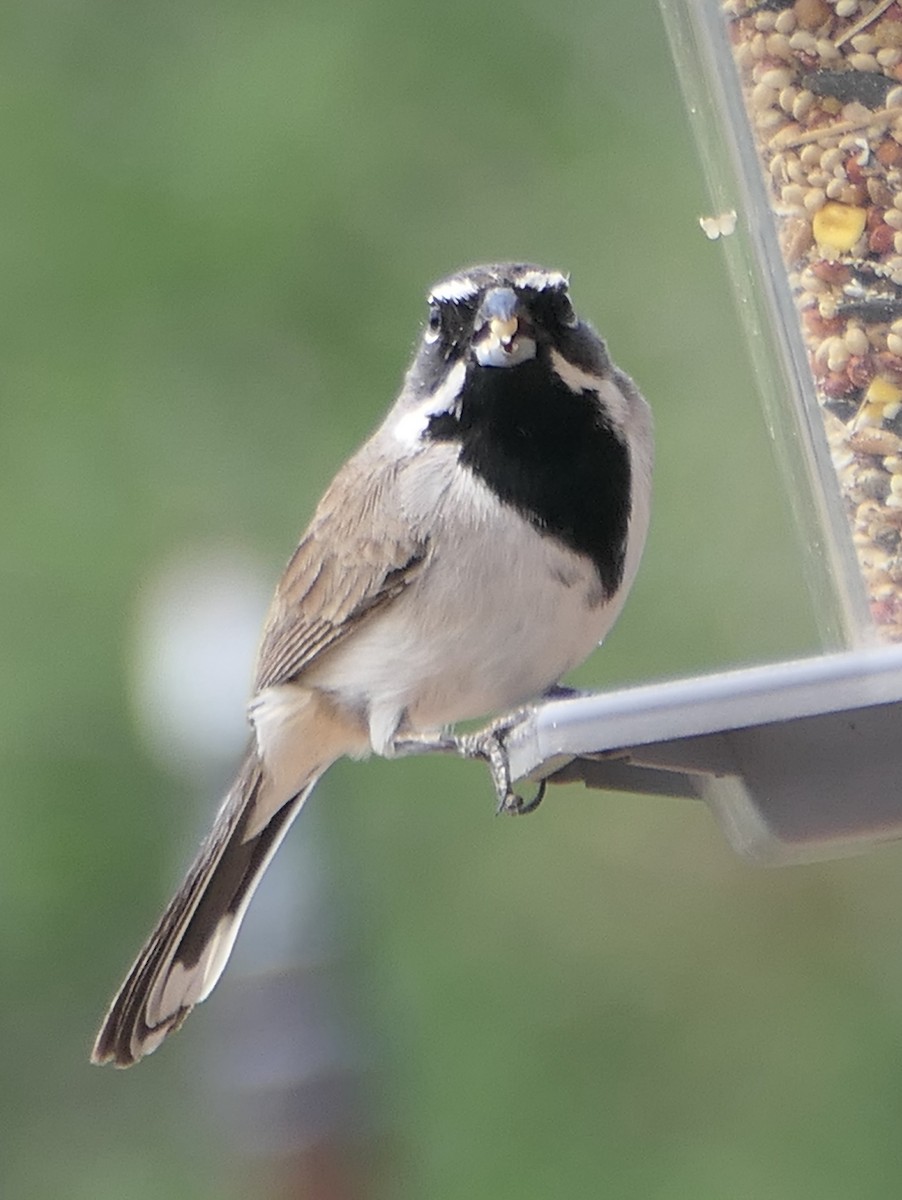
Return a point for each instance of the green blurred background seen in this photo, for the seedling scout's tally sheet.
(217, 223)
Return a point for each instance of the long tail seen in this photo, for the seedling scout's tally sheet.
(187, 951)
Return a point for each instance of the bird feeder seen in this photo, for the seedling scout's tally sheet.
(798, 115)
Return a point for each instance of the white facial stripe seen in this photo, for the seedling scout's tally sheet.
(411, 425)
(459, 287)
(410, 428)
(539, 281)
(578, 380)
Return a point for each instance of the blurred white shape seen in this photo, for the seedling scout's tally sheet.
(197, 627)
(719, 226)
(286, 1063)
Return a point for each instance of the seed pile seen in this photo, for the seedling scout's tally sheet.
(822, 81)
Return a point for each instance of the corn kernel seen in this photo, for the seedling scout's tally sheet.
(882, 391)
(838, 226)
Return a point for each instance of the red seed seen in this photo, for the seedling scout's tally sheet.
(890, 365)
(831, 271)
(821, 327)
(880, 239)
(860, 370)
(889, 152)
(835, 385)
(854, 170)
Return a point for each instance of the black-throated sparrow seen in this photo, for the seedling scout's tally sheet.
(476, 548)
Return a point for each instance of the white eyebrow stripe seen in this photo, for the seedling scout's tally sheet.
(459, 287)
(465, 287)
(540, 281)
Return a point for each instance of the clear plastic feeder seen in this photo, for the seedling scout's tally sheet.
(797, 108)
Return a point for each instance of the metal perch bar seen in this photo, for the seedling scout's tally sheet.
(798, 760)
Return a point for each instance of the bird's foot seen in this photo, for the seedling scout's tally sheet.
(487, 745)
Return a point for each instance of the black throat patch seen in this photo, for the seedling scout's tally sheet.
(549, 453)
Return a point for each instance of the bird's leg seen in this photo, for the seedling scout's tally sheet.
(404, 745)
(488, 746)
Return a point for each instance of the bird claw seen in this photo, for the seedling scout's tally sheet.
(521, 807)
(488, 745)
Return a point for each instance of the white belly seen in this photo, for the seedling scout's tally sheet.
(499, 613)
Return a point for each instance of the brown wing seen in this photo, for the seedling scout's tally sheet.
(355, 557)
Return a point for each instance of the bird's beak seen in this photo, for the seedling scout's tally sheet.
(502, 332)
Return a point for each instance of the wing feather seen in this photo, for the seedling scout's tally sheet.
(356, 555)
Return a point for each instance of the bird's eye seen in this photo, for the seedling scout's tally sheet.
(434, 324)
(563, 311)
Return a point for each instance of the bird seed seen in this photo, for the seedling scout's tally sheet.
(822, 82)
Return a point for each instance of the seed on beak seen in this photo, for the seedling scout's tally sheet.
(504, 330)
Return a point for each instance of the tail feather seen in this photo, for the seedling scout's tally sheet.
(187, 951)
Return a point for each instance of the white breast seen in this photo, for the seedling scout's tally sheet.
(499, 613)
